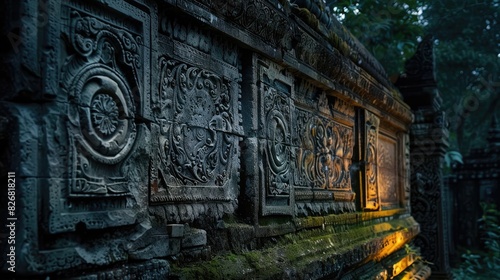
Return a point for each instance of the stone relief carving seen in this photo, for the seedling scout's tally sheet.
(196, 134)
(196, 122)
(388, 178)
(425, 181)
(101, 82)
(370, 126)
(102, 74)
(257, 17)
(325, 153)
(278, 141)
(405, 172)
(275, 88)
(101, 112)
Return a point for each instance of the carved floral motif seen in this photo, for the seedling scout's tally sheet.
(101, 112)
(90, 35)
(195, 112)
(325, 153)
(257, 17)
(104, 113)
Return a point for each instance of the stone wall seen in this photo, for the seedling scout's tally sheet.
(200, 139)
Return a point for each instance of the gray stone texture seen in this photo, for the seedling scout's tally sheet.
(150, 134)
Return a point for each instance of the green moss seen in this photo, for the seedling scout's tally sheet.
(275, 220)
(301, 249)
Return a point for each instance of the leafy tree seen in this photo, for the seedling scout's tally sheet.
(468, 65)
(390, 30)
(483, 264)
(467, 52)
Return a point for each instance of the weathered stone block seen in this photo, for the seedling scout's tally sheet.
(158, 247)
(175, 230)
(194, 238)
(175, 246)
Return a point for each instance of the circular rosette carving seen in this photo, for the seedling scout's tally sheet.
(278, 149)
(102, 114)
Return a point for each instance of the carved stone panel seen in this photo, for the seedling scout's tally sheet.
(196, 128)
(195, 142)
(388, 181)
(102, 86)
(369, 148)
(323, 157)
(275, 88)
(404, 169)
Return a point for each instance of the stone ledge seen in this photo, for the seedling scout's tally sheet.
(310, 257)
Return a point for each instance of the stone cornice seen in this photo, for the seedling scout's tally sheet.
(329, 54)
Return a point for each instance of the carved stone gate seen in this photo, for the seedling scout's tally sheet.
(201, 138)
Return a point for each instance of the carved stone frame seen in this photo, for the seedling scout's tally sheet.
(102, 82)
(216, 84)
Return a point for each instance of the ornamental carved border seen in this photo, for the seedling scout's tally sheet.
(368, 127)
(268, 23)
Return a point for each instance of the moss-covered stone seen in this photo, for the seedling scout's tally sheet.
(316, 252)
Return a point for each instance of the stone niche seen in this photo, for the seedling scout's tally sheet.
(201, 138)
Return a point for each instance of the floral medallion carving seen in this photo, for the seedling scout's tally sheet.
(98, 77)
(101, 121)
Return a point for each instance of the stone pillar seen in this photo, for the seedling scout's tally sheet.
(429, 141)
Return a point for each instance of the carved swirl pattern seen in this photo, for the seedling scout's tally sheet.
(90, 35)
(325, 153)
(425, 203)
(255, 16)
(101, 109)
(278, 147)
(197, 124)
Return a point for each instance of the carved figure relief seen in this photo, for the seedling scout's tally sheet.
(101, 111)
